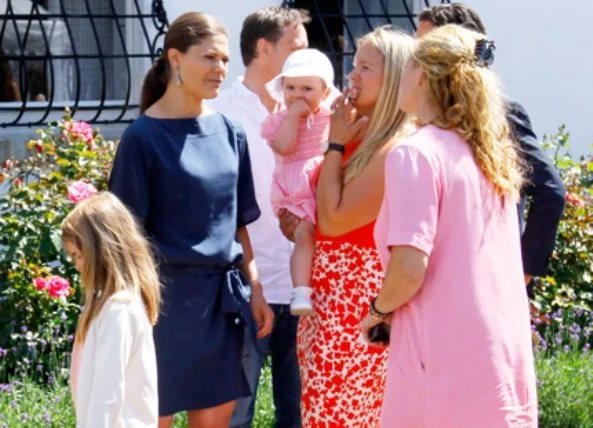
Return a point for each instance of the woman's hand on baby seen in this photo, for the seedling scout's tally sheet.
(346, 124)
(288, 223)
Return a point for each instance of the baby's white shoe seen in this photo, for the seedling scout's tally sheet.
(300, 301)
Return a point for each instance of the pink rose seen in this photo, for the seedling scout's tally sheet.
(80, 129)
(574, 200)
(79, 191)
(40, 284)
(58, 287)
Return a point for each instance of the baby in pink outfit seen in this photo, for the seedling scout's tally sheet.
(296, 135)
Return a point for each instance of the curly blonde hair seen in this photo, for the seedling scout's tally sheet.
(468, 98)
(387, 120)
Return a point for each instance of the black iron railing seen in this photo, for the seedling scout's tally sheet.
(336, 24)
(89, 55)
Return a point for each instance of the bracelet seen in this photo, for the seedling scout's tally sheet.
(327, 146)
(375, 313)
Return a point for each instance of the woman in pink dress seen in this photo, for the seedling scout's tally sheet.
(447, 232)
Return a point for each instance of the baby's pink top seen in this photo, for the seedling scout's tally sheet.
(461, 352)
(309, 139)
(292, 186)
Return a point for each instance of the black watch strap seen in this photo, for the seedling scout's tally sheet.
(335, 146)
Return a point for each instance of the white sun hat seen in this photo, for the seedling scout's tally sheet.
(302, 63)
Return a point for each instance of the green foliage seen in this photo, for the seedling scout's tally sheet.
(36, 326)
(569, 283)
(29, 405)
(565, 390)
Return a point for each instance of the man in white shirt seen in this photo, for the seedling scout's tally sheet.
(268, 36)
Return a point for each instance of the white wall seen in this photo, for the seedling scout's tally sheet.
(544, 53)
(231, 13)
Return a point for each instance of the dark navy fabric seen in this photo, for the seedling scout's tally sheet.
(543, 193)
(189, 183)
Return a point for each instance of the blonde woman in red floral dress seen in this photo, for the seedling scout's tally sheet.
(343, 379)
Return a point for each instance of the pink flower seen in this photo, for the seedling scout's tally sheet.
(40, 283)
(574, 200)
(80, 129)
(79, 191)
(58, 287)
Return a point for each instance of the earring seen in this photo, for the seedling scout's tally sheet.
(178, 79)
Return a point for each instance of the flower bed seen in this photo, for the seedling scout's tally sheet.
(39, 293)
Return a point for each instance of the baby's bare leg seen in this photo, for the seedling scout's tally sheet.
(301, 260)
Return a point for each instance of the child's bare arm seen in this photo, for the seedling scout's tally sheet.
(284, 143)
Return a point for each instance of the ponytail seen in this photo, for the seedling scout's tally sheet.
(187, 30)
(155, 83)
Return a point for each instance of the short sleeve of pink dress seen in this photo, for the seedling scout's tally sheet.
(461, 352)
(413, 207)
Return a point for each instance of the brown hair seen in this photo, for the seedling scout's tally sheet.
(455, 13)
(186, 31)
(117, 258)
(268, 23)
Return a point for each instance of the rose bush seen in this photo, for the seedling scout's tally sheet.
(39, 288)
(565, 296)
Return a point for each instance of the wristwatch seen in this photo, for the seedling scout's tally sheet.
(327, 146)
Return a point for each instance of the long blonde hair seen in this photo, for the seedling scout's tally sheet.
(468, 98)
(117, 257)
(387, 120)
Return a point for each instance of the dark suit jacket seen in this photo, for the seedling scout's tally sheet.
(543, 191)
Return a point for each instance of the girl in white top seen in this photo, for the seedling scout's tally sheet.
(114, 374)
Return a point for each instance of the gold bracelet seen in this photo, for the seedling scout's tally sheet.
(375, 313)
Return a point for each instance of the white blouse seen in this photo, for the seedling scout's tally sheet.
(114, 374)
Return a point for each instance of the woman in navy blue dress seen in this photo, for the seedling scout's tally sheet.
(184, 170)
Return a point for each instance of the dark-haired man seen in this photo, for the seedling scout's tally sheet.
(268, 36)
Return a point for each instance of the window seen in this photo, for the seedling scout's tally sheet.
(90, 55)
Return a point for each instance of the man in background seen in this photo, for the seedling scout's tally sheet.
(268, 36)
(543, 190)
